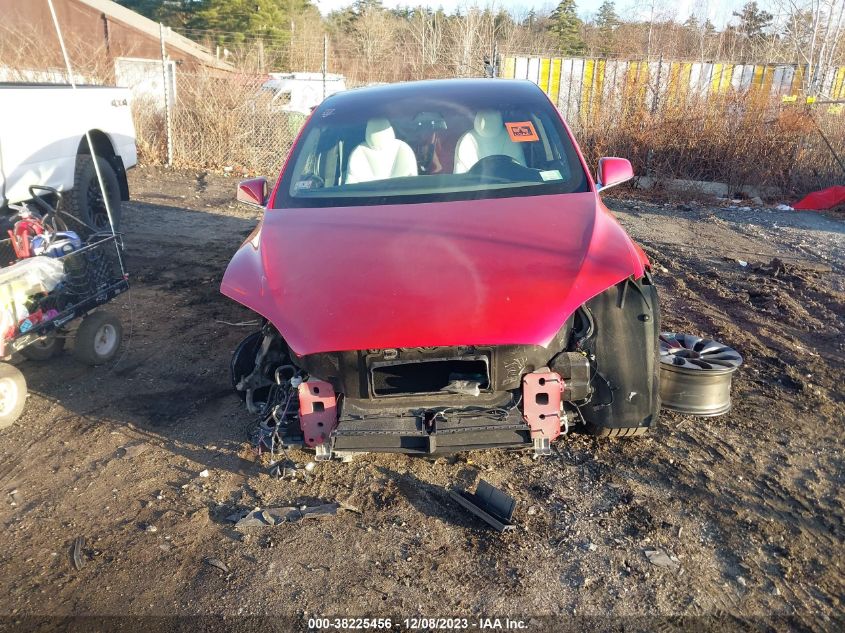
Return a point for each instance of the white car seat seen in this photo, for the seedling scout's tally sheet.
(488, 137)
(381, 155)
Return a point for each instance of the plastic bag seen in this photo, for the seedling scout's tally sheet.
(18, 283)
(31, 276)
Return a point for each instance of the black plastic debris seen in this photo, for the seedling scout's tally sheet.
(489, 504)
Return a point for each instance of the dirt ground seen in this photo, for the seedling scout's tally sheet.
(750, 504)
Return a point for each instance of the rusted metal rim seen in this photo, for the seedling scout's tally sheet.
(695, 374)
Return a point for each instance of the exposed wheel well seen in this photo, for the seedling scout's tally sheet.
(103, 148)
(102, 144)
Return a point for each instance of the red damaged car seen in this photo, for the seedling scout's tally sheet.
(436, 272)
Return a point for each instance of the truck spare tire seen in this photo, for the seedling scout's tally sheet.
(86, 202)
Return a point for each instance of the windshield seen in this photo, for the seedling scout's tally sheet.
(429, 144)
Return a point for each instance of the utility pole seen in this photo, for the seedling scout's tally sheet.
(166, 89)
(261, 56)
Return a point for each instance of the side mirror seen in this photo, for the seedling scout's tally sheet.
(253, 192)
(613, 171)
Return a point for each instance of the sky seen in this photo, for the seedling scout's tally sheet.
(719, 11)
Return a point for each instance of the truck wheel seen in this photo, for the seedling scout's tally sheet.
(12, 394)
(98, 338)
(44, 348)
(86, 199)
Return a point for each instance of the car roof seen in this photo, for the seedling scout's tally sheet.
(445, 89)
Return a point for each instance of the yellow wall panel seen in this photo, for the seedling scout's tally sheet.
(838, 91)
(643, 81)
(510, 68)
(716, 78)
(544, 74)
(599, 86)
(757, 78)
(727, 78)
(686, 80)
(587, 86)
(554, 80)
(672, 87)
(768, 75)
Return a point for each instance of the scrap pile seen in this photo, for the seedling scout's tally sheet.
(33, 282)
(50, 276)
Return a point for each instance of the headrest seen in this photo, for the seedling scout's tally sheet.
(488, 123)
(379, 133)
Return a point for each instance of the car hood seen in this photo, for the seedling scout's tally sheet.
(479, 272)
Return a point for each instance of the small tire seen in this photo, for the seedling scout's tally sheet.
(12, 394)
(44, 348)
(98, 338)
(86, 202)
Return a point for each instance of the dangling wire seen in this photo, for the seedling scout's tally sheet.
(99, 174)
(88, 138)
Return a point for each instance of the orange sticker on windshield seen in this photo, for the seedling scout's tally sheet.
(522, 131)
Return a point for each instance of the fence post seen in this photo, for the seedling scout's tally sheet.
(655, 102)
(166, 86)
(654, 105)
(325, 61)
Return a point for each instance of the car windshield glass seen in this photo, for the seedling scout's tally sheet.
(425, 145)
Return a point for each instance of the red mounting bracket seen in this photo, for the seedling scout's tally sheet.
(541, 397)
(317, 411)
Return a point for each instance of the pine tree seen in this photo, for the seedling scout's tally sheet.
(606, 23)
(173, 13)
(691, 23)
(606, 18)
(753, 21)
(235, 20)
(566, 26)
(751, 29)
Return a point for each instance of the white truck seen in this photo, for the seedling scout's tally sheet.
(43, 142)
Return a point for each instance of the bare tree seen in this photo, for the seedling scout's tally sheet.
(425, 31)
(466, 41)
(815, 29)
(372, 35)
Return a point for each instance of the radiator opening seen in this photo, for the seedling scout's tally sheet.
(441, 376)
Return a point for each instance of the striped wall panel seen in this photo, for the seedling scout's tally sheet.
(583, 88)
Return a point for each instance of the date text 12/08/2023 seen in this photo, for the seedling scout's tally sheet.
(419, 623)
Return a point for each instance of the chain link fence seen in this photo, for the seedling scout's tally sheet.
(219, 122)
(230, 122)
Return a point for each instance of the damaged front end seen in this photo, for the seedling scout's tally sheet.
(419, 400)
